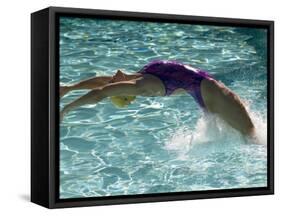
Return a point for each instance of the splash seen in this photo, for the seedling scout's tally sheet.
(212, 130)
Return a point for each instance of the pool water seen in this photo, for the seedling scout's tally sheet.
(159, 144)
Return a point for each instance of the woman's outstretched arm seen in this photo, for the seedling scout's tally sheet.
(113, 89)
(91, 83)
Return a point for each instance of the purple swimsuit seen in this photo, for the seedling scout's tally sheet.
(176, 75)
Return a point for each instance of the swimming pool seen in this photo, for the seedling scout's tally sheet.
(159, 144)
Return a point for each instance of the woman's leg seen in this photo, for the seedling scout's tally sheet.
(222, 101)
(90, 83)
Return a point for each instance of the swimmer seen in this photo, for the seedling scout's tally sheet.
(165, 78)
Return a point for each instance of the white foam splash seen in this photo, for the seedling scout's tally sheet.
(212, 129)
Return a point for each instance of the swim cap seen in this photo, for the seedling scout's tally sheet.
(122, 101)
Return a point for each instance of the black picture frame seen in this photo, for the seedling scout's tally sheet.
(45, 107)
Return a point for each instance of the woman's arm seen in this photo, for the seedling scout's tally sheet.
(90, 83)
(113, 89)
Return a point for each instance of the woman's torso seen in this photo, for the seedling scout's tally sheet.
(175, 76)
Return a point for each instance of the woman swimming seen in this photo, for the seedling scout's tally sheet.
(164, 78)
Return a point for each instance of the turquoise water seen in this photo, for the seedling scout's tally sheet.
(159, 144)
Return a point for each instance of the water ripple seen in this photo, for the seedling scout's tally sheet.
(159, 144)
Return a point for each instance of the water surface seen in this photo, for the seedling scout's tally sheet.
(159, 144)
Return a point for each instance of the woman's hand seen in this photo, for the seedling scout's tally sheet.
(63, 113)
(64, 90)
(91, 97)
(61, 116)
